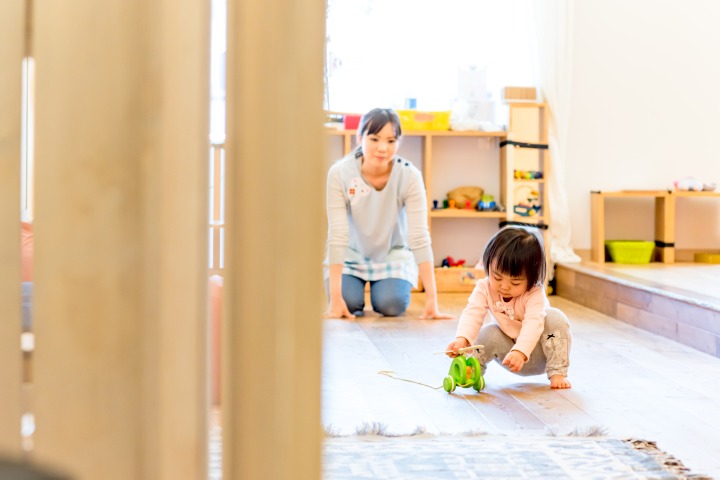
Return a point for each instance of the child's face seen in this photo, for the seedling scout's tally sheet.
(508, 286)
(380, 147)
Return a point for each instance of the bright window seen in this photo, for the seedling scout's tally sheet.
(382, 52)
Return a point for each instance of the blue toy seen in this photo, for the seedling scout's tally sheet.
(487, 202)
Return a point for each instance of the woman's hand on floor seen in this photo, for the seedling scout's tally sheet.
(338, 310)
(431, 310)
(435, 315)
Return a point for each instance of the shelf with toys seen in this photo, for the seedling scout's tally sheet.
(456, 160)
(449, 159)
(525, 161)
(525, 158)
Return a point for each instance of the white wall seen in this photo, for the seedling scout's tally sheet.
(645, 112)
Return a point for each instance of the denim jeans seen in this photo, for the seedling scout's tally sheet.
(27, 289)
(389, 297)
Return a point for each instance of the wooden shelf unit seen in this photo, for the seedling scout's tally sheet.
(535, 132)
(664, 219)
(526, 148)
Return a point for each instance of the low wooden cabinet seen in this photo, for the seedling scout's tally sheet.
(664, 219)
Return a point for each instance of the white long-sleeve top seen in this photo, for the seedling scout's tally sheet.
(522, 318)
(377, 234)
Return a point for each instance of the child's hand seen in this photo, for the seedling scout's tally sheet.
(452, 348)
(515, 360)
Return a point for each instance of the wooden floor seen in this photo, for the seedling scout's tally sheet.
(700, 281)
(625, 380)
(679, 301)
(697, 283)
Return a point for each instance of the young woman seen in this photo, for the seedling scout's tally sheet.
(526, 335)
(377, 226)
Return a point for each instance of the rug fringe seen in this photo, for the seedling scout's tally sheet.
(669, 462)
(367, 428)
(382, 430)
(586, 431)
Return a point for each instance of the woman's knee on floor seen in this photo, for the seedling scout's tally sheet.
(353, 292)
(390, 306)
(390, 297)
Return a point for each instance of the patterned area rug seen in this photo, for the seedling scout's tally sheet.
(434, 457)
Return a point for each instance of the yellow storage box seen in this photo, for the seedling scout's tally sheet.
(417, 120)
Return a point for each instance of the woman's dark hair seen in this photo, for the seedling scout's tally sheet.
(516, 251)
(375, 120)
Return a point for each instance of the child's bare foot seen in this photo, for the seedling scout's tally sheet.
(560, 381)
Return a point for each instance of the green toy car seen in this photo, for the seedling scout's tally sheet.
(464, 372)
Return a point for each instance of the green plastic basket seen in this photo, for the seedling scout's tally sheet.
(630, 251)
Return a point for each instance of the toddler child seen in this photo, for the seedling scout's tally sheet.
(525, 334)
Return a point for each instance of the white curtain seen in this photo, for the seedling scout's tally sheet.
(554, 28)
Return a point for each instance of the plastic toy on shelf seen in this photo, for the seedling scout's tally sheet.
(528, 174)
(528, 202)
(526, 210)
(468, 278)
(449, 262)
(487, 204)
(691, 184)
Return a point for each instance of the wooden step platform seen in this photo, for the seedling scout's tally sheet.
(679, 301)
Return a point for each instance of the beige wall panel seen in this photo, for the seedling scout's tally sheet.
(12, 20)
(276, 184)
(120, 218)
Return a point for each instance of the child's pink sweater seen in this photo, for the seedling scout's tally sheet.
(522, 318)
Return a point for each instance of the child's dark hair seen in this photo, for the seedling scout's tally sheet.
(516, 251)
(374, 121)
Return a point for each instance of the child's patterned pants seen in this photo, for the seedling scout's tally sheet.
(551, 354)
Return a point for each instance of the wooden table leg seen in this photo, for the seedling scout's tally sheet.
(665, 228)
(597, 225)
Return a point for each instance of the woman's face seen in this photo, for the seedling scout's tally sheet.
(381, 146)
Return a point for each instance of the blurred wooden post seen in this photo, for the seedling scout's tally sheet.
(276, 186)
(12, 20)
(177, 399)
(121, 238)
